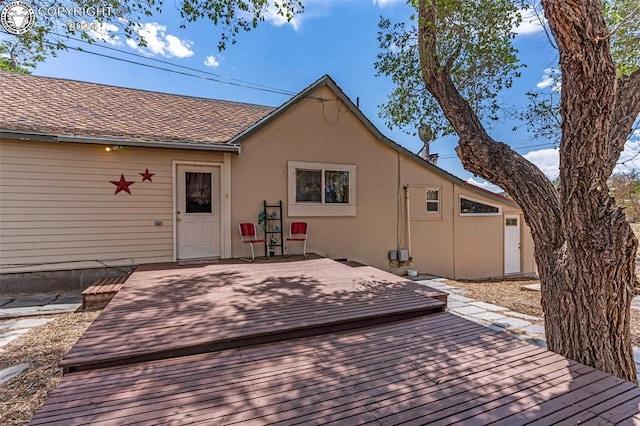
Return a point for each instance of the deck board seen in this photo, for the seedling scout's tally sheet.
(415, 371)
(434, 368)
(161, 311)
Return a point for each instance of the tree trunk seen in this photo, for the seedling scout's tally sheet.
(586, 298)
(584, 248)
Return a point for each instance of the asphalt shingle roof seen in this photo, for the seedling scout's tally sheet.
(36, 104)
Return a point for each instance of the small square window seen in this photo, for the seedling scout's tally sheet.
(433, 200)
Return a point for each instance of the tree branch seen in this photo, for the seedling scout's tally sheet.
(626, 111)
(482, 155)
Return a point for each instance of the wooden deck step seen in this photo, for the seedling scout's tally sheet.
(99, 294)
(168, 313)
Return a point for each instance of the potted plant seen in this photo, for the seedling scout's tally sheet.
(272, 243)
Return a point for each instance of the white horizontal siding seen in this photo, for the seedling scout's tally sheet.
(59, 210)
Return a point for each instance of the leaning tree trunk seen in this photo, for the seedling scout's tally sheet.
(584, 248)
(587, 298)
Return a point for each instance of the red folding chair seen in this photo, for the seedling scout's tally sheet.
(249, 234)
(298, 231)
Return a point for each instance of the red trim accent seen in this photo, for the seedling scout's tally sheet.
(493, 194)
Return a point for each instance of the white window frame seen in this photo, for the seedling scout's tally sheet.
(476, 200)
(438, 201)
(306, 208)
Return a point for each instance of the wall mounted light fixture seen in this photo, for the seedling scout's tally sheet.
(113, 148)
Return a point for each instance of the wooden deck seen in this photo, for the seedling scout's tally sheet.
(438, 369)
(354, 345)
(176, 312)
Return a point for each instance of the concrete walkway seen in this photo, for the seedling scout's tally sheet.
(39, 304)
(501, 318)
(15, 313)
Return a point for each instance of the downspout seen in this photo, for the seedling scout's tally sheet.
(454, 218)
(406, 192)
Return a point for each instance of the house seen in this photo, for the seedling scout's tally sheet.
(95, 177)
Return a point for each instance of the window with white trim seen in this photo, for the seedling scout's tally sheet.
(433, 200)
(469, 207)
(320, 189)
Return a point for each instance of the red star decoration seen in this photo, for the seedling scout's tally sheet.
(146, 175)
(122, 184)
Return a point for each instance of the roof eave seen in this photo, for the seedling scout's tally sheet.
(110, 140)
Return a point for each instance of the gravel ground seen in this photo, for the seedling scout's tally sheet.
(508, 294)
(42, 348)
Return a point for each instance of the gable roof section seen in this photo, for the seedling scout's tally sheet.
(67, 110)
(328, 81)
(61, 110)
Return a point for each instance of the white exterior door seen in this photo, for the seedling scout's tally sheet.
(512, 244)
(198, 212)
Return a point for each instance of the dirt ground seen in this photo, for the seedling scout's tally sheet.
(508, 294)
(42, 348)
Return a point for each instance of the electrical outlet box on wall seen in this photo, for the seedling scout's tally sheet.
(403, 255)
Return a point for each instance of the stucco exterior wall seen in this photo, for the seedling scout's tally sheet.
(316, 131)
(320, 132)
(58, 209)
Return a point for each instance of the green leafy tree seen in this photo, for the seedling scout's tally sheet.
(584, 247)
(51, 31)
(22, 53)
(475, 46)
(542, 114)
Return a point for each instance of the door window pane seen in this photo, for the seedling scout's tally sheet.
(198, 192)
(511, 222)
(336, 186)
(309, 186)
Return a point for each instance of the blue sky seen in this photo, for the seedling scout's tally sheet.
(335, 37)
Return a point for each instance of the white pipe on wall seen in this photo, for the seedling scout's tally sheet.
(406, 191)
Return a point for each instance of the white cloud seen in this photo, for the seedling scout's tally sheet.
(547, 160)
(161, 43)
(384, 3)
(211, 61)
(530, 21)
(103, 32)
(178, 48)
(546, 81)
(550, 76)
(485, 185)
(271, 15)
(630, 156)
